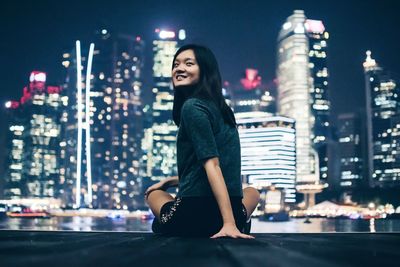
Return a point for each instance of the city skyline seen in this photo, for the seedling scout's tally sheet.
(270, 82)
(354, 28)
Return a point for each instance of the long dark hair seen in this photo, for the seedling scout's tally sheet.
(208, 87)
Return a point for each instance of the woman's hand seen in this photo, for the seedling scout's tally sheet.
(230, 230)
(163, 185)
(158, 186)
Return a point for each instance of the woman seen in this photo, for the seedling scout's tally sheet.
(210, 200)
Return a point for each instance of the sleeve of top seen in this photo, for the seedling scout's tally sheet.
(197, 122)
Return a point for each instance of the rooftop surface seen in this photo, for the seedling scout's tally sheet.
(62, 248)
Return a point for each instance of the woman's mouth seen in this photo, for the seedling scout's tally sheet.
(180, 77)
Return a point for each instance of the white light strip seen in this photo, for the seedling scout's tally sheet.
(268, 172)
(269, 167)
(272, 129)
(277, 144)
(268, 163)
(87, 121)
(267, 157)
(79, 111)
(246, 139)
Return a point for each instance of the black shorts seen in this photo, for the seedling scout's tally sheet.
(196, 216)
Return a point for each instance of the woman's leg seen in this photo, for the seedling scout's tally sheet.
(156, 199)
(250, 200)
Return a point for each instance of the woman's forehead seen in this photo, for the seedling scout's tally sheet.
(187, 54)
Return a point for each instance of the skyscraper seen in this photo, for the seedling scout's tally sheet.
(34, 137)
(383, 125)
(319, 92)
(302, 95)
(114, 123)
(350, 151)
(161, 156)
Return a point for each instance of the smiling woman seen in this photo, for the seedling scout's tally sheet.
(210, 199)
(185, 69)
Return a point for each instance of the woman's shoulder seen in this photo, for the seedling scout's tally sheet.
(195, 103)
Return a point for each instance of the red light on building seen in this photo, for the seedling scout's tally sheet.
(37, 81)
(252, 79)
(53, 89)
(26, 95)
(37, 76)
(12, 104)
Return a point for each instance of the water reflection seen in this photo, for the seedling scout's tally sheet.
(317, 225)
(76, 224)
(372, 225)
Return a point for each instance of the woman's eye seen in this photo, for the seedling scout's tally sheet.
(189, 63)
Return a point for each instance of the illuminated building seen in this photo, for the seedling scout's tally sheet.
(302, 95)
(108, 141)
(268, 151)
(350, 151)
(34, 132)
(320, 107)
(161, 138)
(383, 125)
(251, 95)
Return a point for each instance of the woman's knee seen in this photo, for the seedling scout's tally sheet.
(155, 195)
(156, 199)
(251, 192)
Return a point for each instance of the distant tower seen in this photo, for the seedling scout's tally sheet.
(34, 132)
(350, 151)
(383, 125)
(161, 156)
(111, 111)
(302, 95)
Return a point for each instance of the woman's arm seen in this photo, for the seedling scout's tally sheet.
(171, 181)
(163, 185)
(218, 186)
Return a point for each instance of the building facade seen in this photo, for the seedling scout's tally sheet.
(303, 95)
(160, 143)
(268, 151)
(350, 151)
(383, 125)
(107, 174)
(33, 143)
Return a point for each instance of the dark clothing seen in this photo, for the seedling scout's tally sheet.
(196, 216)
(203, 134)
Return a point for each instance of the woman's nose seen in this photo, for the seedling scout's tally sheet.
(180, 68)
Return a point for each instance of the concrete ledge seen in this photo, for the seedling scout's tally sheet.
(68, 248)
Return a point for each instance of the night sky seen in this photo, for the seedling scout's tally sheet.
(34, 34)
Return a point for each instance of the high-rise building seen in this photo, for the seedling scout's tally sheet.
(302, 95)
(34, 137)
(383, 125)
(107, 174)
(268, 151)
(350, 148)
(320, 104)
(251, 94)
(161, 138)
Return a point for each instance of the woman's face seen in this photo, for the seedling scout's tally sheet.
(185, 70)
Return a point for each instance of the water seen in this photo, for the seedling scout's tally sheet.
(317, 225)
